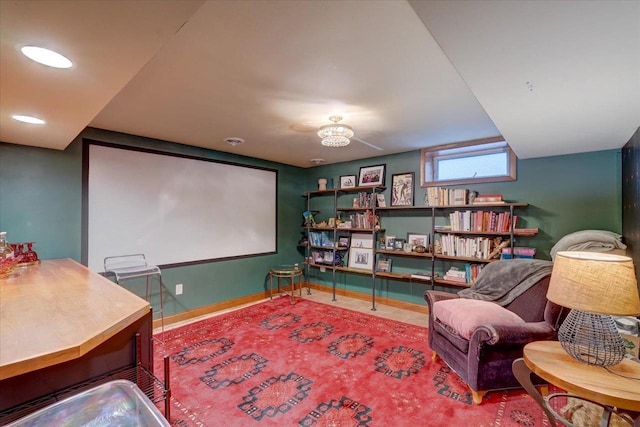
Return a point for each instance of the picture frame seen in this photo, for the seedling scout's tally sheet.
(384, 265)
(417, 239)
(390, 243)
(361, 241)
(402, 189)
(343, 242)
(399, 244)
(371, 176)
(361, 258)
(348, 181)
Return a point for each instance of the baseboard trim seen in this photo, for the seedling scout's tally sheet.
(367, 297)
(236, 302)
(209, 309)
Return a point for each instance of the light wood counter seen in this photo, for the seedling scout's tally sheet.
(59, 311)
(617, 388)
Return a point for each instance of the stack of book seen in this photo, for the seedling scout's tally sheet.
(469, 247)
(366, 200)
(423, 275)
(320, 238)
(486, 221)
(488, 199)
(456, 275)
(364, 220)
(438, 196)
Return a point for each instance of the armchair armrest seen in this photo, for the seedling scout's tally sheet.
(519, 334)
(431, 297)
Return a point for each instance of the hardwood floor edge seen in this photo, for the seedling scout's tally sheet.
(236, 302)
(367, 297)
(209, 309)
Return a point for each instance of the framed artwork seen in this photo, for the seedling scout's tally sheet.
(361, 258)
(348, 181)
(362, 240)
(417, 239)
(371, 175)
(384, 264)
(343, 242)
(402, 189)
(399, 244)
(389, 243)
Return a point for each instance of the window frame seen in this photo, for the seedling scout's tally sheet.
(430, 155)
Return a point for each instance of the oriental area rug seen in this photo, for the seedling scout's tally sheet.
(313, 364)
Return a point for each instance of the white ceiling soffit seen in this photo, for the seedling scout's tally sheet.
(556, 77)
(108, 42)
(272, 72)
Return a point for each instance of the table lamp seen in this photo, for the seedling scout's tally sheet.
(594, 286)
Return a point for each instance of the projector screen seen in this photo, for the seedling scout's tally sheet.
(175, 209)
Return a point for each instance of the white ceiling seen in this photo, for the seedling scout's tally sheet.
(553, 77)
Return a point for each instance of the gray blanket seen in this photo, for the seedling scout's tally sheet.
(503, 281)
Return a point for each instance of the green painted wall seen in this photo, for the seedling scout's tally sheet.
(565, 193)
(40, 200)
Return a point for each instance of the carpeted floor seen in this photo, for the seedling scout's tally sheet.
(277, 364)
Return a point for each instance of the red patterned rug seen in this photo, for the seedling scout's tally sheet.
(313, 364)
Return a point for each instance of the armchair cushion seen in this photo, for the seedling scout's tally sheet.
(465, 315)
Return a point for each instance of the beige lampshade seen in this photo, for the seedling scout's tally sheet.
(594, 282)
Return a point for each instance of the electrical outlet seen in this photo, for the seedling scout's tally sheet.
(179, 289)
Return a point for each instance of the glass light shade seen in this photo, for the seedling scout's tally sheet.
(335, 129)
(335, 141)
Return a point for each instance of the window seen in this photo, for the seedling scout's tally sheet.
(480, 160)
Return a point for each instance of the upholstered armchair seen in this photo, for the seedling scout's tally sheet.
(479, 335)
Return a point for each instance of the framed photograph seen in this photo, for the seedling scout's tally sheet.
(381, 201)
(348, 181)
(390, 243)
(361, 258)
(417, 239)
(343, 242)
(362, 240)
(384, 264)
(371, 175)
(399, 244)
(402, 189)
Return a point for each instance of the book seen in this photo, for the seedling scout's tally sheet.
(423, 275)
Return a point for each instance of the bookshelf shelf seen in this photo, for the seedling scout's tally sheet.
(363, 220)
(486, 232)
(492, 236)
(427, 255)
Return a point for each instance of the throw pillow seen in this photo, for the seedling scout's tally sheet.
(465, 315)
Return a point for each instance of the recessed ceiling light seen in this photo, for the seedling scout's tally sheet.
(317, 161)
(46, 57)
(233, 141)
(28, 119)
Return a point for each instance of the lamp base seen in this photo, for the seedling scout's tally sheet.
(591, 338)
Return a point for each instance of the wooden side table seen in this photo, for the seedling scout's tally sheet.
(617, 387)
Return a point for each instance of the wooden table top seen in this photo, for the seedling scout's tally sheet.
(549, 360)
(57, 311)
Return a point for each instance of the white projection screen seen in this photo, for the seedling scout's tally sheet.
(176, 210)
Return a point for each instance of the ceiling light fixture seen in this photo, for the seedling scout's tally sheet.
(28, 119)
(317, 161)
(46, 57)
(334, 134)
(233, 141)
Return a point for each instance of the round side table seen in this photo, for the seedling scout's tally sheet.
(286, 271)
